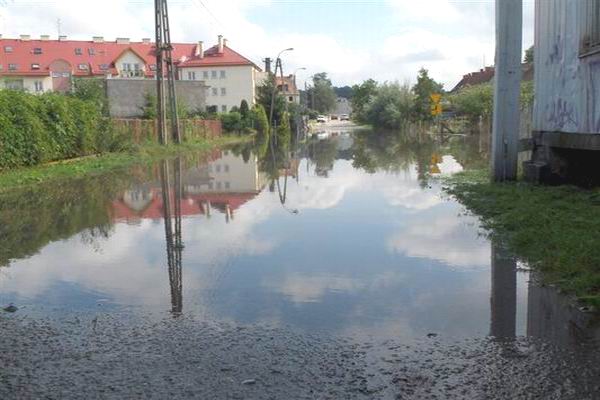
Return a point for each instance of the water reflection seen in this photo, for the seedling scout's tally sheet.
(349, 235)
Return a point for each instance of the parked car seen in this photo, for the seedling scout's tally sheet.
(334, 117)
(321, 118)
(344, 117)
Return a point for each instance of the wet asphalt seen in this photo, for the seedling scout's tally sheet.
(112, 357)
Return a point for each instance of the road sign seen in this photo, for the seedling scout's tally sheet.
(436, 106)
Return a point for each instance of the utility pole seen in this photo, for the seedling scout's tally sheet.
(506, 124)
(164, 59)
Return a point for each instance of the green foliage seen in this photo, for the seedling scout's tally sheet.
(232, 121)
(391, 107)
(264, 95)
(284, 132)
(322, 95)
(361, 97)
(345, 92)
(244, 109)
(149, 107)
(474, 102)
(423, 90)
(91, 90)
(555, 229)
(529, 53)
(51, 126)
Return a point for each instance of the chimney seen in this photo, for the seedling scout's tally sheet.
(98, 39)
(268, 65)
(199, 50)
(45, 38)
(62, 38)
(220, 44)
(146, 40)
(25, 37)
(121, 40)
(225, 42)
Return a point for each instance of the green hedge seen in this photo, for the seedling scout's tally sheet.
(39, 128)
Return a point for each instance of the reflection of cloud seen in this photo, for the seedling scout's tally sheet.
(305, 289)
(444, 238)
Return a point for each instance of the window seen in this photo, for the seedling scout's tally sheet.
(226, 167)
(91, 51)
(223, 91)
(291, 99)
(205, 74)
(78, 51)
(227, 185)
(191, 76)
(152, 67)
(219, 185)
(591, 39)
(83, 67)
(224, 108)
(8, 49)
(103, 67)
(213, 74)
(215, 91)
(37, 50)
(12, 67)
(14, 84)
(223, 75)
(39, 86)
(35, 66)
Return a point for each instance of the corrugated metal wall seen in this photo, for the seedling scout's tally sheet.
(567, 86)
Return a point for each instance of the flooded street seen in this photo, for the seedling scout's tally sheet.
(338, 269)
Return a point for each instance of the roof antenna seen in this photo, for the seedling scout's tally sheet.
(58, 26)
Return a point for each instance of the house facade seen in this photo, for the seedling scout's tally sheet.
(230, 76)
(566, 118)
(41, 64)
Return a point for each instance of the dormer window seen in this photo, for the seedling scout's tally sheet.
(8, 49)
(83, 67)
(104, 67)
(37, 50)
(12, 67)
(91, 51)
(78, 51)
(35, 66)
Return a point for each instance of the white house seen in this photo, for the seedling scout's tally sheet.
(230, 76)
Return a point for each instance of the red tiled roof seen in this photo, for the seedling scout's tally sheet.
(212, 57)
(190, 205)
(475, 78)
(100, 57)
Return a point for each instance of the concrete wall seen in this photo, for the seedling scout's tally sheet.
(567, 86)
(127, 97)
(239, 84)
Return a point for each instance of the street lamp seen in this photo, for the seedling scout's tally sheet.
(277, 64)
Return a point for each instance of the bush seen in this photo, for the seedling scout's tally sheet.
(40, 128)
(474, 102)
(232, 121)
(391, 107)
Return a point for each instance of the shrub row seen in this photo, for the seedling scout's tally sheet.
(39, 128)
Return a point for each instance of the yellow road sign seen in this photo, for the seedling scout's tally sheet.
(436, 98)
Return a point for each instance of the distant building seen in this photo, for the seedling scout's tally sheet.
(231, 76)
(288, 88)
(566, 118)
(486, 75)
(40, 65)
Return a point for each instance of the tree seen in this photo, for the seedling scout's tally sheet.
(260, 123)
(391, 107)
(361, 96)
(149, 107)
(423, 90)
(323, 96)
(529, 55)
(344, 92)
(232, 121)
(264, 95)
(244, 109)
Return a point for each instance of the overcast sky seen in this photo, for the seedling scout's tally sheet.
(350, 40)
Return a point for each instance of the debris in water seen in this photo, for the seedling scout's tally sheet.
(249, 382)
(10, 308)
(432, 335)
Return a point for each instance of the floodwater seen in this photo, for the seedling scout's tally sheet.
(349, 237)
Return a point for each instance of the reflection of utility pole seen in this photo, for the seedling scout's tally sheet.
(174, 243)
(164, 59)
(503, 299)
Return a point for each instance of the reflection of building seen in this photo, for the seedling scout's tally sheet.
(223, 185)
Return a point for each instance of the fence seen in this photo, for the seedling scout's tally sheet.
(145, 130)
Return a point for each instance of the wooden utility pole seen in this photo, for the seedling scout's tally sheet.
(505, 132)
(164, 60)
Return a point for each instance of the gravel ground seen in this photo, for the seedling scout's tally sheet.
(116, 358)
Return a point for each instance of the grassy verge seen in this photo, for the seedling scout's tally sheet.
(105, 162)
(555, 229)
